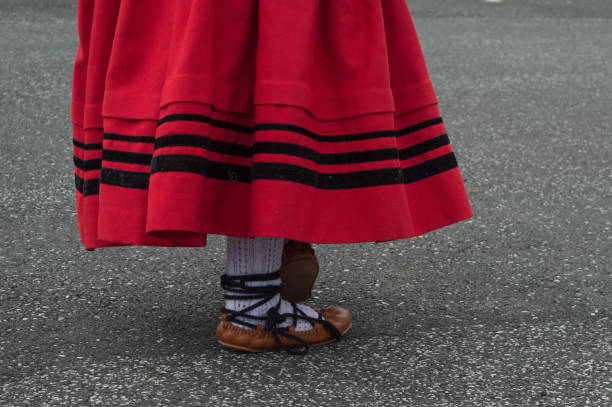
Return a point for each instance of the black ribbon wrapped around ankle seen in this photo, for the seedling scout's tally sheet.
(237, 285)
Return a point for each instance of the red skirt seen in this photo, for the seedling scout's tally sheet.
(312, 120)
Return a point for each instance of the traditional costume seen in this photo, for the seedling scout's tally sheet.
(308, 120)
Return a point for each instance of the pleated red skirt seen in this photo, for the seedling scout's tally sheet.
(313, 120)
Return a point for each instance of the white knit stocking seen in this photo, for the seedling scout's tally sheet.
(259, 255)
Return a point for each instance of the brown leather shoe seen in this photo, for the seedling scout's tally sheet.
(299, 271)
(337, 322)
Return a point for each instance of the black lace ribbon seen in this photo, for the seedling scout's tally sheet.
(237, 289)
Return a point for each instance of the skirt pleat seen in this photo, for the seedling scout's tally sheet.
(312, 120)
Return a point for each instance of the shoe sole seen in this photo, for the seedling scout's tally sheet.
(250, 350)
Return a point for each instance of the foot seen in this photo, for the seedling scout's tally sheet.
(333, 324)
(257, 319)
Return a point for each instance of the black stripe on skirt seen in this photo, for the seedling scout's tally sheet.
(266, 170)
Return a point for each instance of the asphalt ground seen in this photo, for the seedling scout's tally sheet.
(510, 308)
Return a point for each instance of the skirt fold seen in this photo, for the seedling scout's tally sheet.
(312, 120)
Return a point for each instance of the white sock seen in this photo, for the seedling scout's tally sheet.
(260, 255)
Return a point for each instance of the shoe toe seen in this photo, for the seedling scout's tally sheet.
(339, 317)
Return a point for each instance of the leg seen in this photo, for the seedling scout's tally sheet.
(299, 271)
(256, 318)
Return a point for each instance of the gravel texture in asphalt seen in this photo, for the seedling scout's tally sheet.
(510, 308)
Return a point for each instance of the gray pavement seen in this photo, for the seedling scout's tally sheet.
(511, 308)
